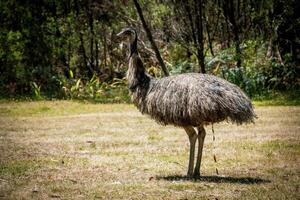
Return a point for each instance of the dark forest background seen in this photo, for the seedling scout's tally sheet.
(67, 49)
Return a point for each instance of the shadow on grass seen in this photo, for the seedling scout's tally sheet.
(215, 179)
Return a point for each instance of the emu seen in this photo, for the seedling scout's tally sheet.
(189, 100)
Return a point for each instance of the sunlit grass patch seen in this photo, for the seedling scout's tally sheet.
(280, 190)
(155, 138)
(121, 154)
(119, 190)
(172, 158)
(277, 98)
(183, 186)
(277, 149)
(17, 168)
(21, 167)
(37, 108)
(118, 153)
(282, 146)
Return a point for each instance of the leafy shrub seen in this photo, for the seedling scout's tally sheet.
(258, 75)
(94, 89)
(180, 68)
(36, 89)
(280, 76)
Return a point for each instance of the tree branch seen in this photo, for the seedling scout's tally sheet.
(149, 35)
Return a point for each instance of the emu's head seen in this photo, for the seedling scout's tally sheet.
(128, 34)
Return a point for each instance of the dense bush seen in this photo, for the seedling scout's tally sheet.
(258, 75)
(114, 91)
(42, 43)
(93, 89)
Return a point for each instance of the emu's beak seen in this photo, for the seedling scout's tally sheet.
(120, 34)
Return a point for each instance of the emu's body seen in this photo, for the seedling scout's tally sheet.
(186, 100)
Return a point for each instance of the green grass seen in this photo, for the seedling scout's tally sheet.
(80, 150)
(268, 98)
(17, 168)
(277, 98)
(52, 108)
(278, 147)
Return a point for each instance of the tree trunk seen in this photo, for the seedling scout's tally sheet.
(97, 55)
(273, 51)
(92, 34)
(209, 39)
(85, 58)
(82, 48)
(235, 29)
(69, 57)
(199, 28)
(190, 18)
(104, 47)
(149, 35)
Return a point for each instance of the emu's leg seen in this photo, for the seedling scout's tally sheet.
(201, 137)
(192, 138)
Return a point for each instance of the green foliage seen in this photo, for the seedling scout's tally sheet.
(177, 53)
(281, 76)
(54, 49)
(160, 12)
(180, 62)
(180, 68)
(95, 90)
(36, 91)
(258, 75)
(41, 41)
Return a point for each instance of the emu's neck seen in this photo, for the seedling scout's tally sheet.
(138, 79)
(136, 75)
(133, 46)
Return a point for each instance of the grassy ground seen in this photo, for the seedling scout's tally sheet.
(73, 150)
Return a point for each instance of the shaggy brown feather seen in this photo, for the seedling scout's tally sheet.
(187, 99)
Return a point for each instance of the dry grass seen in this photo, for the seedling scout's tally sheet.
(71, 150)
